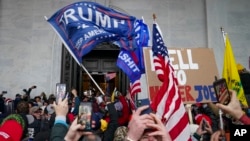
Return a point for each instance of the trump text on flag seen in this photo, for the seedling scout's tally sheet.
(84, 25)
(195, 69)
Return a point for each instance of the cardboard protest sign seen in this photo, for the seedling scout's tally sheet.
(195, 69)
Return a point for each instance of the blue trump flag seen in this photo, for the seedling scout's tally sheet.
(131, 61)
(125, 61)
(83, 25)
(142, 40)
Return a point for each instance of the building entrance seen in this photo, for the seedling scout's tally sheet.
(106, 86)
(99, 62)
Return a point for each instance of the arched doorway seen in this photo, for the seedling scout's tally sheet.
(100, 61)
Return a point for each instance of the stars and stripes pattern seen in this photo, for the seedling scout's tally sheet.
(168, 103)
(131, 100)
(109, 76)
(141, 41)
(135, 88)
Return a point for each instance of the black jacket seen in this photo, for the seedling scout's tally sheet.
(112, 125)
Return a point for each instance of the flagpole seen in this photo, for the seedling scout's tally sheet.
(223, 34)
(221, 126)
(92, 78)
(154, 17)
(190, 117)
(220, 111)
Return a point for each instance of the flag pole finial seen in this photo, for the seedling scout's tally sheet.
(221, 29)
(154, 16)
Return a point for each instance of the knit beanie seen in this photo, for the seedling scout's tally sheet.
(12, 128)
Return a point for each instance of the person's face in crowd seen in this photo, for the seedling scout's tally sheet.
(30, 105)
(107, 99)
(45, 104)
(48, 116)
(37, 113)
(38, 99)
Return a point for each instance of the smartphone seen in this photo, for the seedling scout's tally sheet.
(204, 124)
(142, 102)
(221, 91)
(85, 115)
(60, 91)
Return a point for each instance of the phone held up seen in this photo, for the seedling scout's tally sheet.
(142, 102)
(60, 91)
(204, 125)
(221, 91)
(85, 115)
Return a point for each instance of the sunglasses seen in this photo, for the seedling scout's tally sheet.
(38, 111)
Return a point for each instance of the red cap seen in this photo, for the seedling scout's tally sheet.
(11, 130)
(199, 117)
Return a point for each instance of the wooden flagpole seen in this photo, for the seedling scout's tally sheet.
(92, 79)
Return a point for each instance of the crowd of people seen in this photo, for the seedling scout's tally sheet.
(45, 118)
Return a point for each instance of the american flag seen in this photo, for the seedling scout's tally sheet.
(109, 76)
(168, 103)
(131, 100)
(133, 73)
(134, 89)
